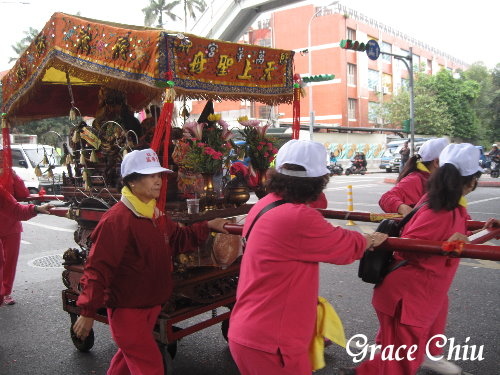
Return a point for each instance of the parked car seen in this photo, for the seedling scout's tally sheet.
(388, 155)
(26, 157)
(396, 160)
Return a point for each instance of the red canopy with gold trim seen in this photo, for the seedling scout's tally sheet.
(85, 54)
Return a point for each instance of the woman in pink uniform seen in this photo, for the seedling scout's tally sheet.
(273, 321)
(129, 269)
(414, 297)
(410, 188)
(13, 212)
(411, 183)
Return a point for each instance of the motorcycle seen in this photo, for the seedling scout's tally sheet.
(494, 168)
(335, 169)
(355, 169)
(358, 165)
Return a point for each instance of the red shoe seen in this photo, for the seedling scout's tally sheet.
(8, 300)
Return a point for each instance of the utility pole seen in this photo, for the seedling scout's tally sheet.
(408, 61)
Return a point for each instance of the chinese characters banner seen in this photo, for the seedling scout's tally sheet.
(206, 67)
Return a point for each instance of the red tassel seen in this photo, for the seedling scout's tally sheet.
(161, 140)
(6, 177)
(296, 112)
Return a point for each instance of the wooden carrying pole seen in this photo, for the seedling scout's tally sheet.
(452, 249)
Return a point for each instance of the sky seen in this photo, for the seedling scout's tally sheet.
(464, 30)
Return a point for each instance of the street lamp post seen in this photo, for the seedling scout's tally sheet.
(311, 109)
(409, 66)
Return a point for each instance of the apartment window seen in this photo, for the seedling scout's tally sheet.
(373, 109)
(351, 34)
(351, 74)
(416, 63)
(265, 42)
(351, 110)
(386, 47)
(429, 67)
(373, 79)
(402, 65)
(386, 83)
(264, 112)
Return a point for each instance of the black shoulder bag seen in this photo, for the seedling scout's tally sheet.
(262, 212)
(375, 265)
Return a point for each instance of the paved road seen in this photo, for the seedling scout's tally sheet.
(34, 334)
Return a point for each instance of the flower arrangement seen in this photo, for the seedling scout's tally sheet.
(261, 149)
(206, 145)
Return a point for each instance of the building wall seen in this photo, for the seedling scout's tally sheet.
(288, 29)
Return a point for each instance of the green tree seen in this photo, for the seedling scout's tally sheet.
(431, 116)
(20, 47)
(191, 7)
(459, 96)
(495, 105)
(444, 105)
(156, 9)
(484, 105)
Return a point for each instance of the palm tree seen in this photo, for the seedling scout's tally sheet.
(20, 47)
(191, 7)
(155, 10)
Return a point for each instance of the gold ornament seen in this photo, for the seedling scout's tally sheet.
(93, 157)
(38, 171)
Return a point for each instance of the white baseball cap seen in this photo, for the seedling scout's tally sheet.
(308, 154)
(431, 149)
(143, 162)
(464, 156)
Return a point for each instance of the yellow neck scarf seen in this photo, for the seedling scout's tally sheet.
(421, 167)
(463, 201)
(144, 209)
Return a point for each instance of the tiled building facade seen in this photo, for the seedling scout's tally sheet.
(360, 84)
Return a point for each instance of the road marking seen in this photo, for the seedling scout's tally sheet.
(482, 264)
(49, 227)
(483, 200)
(25, 242)
(345, 187)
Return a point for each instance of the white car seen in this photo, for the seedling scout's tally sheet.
(26, 157)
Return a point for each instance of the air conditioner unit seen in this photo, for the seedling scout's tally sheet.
(386, 90)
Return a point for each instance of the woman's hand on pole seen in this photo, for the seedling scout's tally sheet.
(217, 225)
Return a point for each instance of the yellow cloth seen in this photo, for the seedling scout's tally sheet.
(328, 325)
(144, 209)
(463, 201)
(421, 167)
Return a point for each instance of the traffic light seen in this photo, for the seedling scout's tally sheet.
(406, 126)
(318, 78)
(353, 45)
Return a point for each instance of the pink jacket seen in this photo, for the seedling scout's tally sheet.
(407, 191)
(422, 284)
(12, 213)
(279, 277)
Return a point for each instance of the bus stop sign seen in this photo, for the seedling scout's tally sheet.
(372, 49)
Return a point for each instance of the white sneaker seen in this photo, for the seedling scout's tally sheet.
(441, 366)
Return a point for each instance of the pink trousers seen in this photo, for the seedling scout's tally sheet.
(11, 244)
(437, 328)
(393, 332)
(256, 362)
(138, 353)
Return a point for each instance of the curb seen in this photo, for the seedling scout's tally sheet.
(480, 184)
